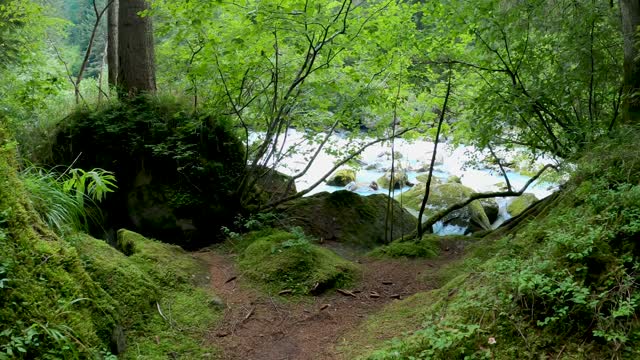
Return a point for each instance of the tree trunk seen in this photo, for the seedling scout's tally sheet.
(112, 43)
(136, 58)
(630, 11)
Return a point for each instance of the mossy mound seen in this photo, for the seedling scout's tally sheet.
(285, 261)
(51, 307)
(561, 283)
(521, 203)
(145, 277)
(400, 179)
(177, 172)
(342, 177)
(442, 196)
(350, 218)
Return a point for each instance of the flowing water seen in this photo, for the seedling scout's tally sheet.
(376, 159)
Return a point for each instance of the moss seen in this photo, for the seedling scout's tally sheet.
(349, 218)
(190, 316)
(51, 307)
(427, 247)
(153, 274)
(174, 169)
(454, 179)
(342, 177)
(424, 177)
(169, 265)
(399, 179)
(282, 260)
(521, 203)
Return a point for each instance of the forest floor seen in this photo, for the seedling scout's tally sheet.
(259, 326)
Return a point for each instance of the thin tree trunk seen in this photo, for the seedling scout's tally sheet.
(433, 159)
(112, 41)
(630, 12)
(136, 57)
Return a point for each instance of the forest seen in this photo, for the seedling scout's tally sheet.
(319, 179)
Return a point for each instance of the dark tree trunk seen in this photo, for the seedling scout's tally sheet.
(112, 43)
(630, 11)
(136, 58)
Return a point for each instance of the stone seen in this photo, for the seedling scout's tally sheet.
(347, 217)
(342, 177)
(521, 203)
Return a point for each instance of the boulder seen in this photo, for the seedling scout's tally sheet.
(521, 203)
(441, 197)
(454, 179)
(400, 179)
(491, 208)
(347, 217)
(271, 184)
(342, 177)
(176, 173)
(424, 177)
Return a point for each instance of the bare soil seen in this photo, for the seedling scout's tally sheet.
(261, 327)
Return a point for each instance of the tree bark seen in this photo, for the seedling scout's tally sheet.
(136, 57)
(630, 12)
(112, 43)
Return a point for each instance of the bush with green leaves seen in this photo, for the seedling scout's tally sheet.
(68, 201)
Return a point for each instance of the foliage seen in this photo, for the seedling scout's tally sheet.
(59, 199)
(290, 261)
(564, 285)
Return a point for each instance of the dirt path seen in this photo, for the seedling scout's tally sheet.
(259, 327)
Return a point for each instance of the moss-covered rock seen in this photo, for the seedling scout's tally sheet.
(177, 173)
(348, 217)
(424, 177)
(142, 275)
(454, 179)
(51, 307)
(521, 203)
(400, 179)
(271, 185)
(491, 208)
(287, 261)
(442, 196)
(342, 177)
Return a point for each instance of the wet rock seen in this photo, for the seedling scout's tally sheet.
(400, 179)
(491, 208)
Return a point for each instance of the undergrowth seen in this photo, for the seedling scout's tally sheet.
(564, 286)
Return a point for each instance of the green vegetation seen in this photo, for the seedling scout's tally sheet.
(155, 287)
(290, 261)
(427, 247)
(562, 285)
(521, 203)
